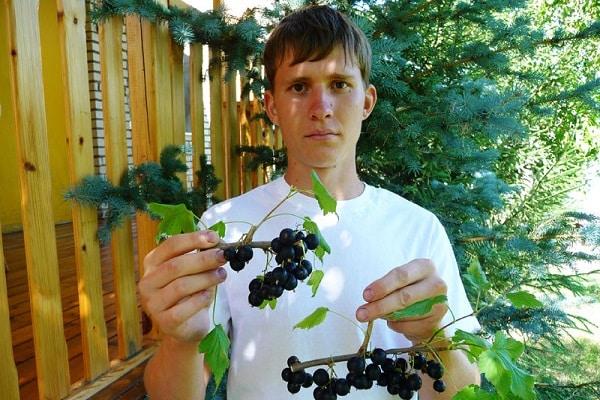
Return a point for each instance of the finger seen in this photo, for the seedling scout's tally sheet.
(399, 277)
(183, 287)
(177, 245)
(180, 313)
(183, 265)
(401, 298)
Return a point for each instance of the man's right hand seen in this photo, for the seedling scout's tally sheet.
(179, 283)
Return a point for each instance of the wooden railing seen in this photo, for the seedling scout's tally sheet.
(156, 76)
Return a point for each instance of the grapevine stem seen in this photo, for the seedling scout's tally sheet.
(345, 357)
(365, 344)
(258, 245)
(448, 324)
(349, 320)
(254, 228)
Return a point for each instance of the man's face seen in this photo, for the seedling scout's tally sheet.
(320, 106)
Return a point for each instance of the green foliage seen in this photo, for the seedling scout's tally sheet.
(143, 184)
(419, 308)
(215, 347)
(315, 318)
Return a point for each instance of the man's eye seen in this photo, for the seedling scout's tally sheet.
(340, 85)
(298, 87)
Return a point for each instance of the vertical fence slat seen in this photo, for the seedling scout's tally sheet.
(81, 163)
(233, 131)
(9, 381)
(113, 102)
(218, 144)
(144, 144)
(177, 97)
(37, 216)
(196, 106)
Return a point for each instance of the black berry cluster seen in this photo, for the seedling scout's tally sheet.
(238, 256)
(289, 249)
(400, 376)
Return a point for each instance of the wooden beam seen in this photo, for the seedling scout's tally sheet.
(113, 102)
(38, 221)
(80, 152)
(196, 105)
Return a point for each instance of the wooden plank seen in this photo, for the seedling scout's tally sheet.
(218, 140)
(117, 370)
(234, 136)
(144, 144)
(38, 222)
(177, 98)
(113, 96)
(196, 106)
(80, 152)
(9, 382)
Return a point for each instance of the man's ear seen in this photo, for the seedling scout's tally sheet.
(270, 107)
(370, 100)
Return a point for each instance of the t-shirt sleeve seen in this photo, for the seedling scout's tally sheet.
(459, 306)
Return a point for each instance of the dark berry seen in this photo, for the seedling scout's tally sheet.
(298, 377)
(350, 376)
(356, 364)
(393, 389)
(362, 382)
(280, 275)
(301, 273)
(291, 283)
(401, 364)
(308, 380)
(373, 372)
(414, 382)
(244, 253)
(255, 299)
(388, 365)
(276, 245)
(300, 236)
(287, 236)
(270, 278)
(405, 393)
(286, 374)
(382, 380)
(298, 253)
(435, 370)
(439, 385)
(237, 265)
(378, 356)
(293, 387)
(418, 361)
(287, 253)
(342, 387)
(255, 284)
(229, 253)
(312, 241)
(306, 265)
(320, 377)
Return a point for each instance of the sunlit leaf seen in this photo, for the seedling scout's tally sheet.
(215, 347)
(314, 319)
(474, 392)
(174, 219)
(219, 227)
(326, 201)
(311, 227)
(475, 344)
(315, 280)
(417, 309)
(523, 299)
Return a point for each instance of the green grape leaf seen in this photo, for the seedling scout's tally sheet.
(475, 275)
(174, 219)
(314, 319)
(315, 280)
(523, 299)
(271, 303)
(417, 309)
(215, 347)
(499, 366)
(475, 344)
(311, 227)
(474, 392)
(218, 227)
(326, 201)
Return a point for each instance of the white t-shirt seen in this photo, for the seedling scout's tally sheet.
(376, 232)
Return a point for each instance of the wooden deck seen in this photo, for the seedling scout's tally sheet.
(129, 386)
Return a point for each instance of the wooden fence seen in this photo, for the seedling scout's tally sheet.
(156, 81)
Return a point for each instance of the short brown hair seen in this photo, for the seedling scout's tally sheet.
(311, 33)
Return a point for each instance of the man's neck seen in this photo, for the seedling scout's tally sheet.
(342, 186)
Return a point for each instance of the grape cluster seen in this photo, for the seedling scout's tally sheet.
(400, 376)
(289, 249)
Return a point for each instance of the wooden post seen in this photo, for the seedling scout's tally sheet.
(9, 381)
(177, 98)
(113, 102)
(196, 106)
(38, 221)
(233, 132)
(80, 152)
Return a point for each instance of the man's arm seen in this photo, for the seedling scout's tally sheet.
(176, 372)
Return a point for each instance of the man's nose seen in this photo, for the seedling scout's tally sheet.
(321, 104)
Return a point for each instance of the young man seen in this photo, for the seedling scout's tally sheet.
(387, 253)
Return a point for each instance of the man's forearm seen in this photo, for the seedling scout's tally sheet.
(176, 372)
(458, 373)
